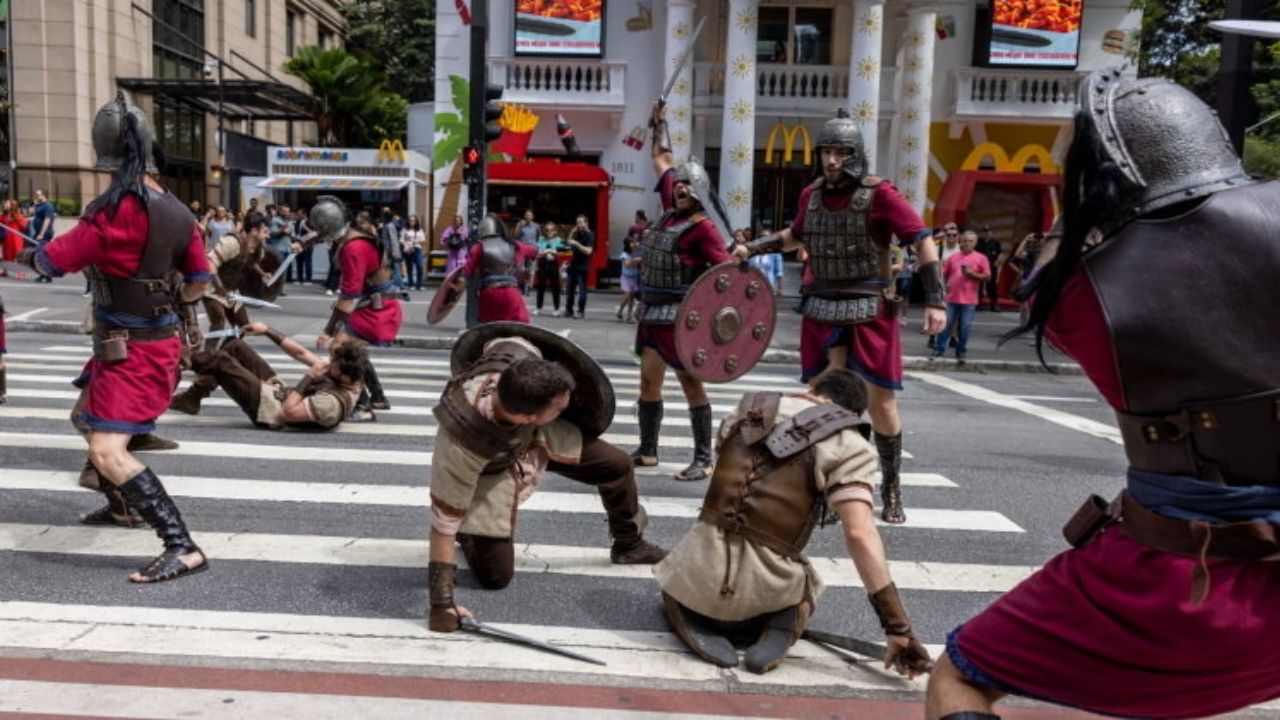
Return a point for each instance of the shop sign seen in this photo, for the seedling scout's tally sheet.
(789, 136)
(390, 151)
(311, 155)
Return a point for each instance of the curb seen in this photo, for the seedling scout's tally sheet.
(771, 357)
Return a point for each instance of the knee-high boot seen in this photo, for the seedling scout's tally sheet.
(627, 521)
(890, 449)
(188, 401)
(3, 387)
(700, 468)
(116, 511)
(377, 399)
(144, 492)
(650, 420)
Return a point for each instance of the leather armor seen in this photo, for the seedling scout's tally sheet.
(762, 487)
(231, 274)
(843, 257)
(149, 294)
(1198, 369)
(664, 278)
(456, 414)
(497, 262)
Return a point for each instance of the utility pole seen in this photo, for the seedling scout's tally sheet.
(476, 173)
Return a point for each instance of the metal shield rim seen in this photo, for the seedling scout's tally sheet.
(599, 391)
(685, 354)
(441, 306)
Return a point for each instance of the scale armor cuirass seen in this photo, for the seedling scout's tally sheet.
(843, 256)
(497, 261)
(1198, 365)
(664, 278)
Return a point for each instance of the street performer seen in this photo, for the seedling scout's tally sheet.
(846, 221)
(500, 428)
(1165, 608)
(145, 259)
(685, 242)
(496, 262)
(782, 462)
(324, 397)
(367, 309)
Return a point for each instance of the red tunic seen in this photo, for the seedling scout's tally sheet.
(1110, 627)
(126, 397)
(875, 348)
(359, 259)
(500, 304)
(13, 242)
(700, 246)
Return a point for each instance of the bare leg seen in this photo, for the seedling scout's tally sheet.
(950, 693)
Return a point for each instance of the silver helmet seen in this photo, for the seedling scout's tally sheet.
(1166, 144)
(328, 218)
(111, 130)
(701, 190)
(842, 132)
(491, 226)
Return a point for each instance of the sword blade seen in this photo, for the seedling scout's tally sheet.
(680, 63)
(288, 260)
(473, 625)
(252, 301)
(861, 647)
(231, 332)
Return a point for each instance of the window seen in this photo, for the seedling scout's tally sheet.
(178, 39)
(794, 35)
(251, 18)
(326, 38)
(290, 31)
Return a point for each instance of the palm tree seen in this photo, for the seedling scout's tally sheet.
(456, 127)
(344, 88)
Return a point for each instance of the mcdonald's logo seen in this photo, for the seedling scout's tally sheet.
(390, 151)
(789, 136)
(1018, 163)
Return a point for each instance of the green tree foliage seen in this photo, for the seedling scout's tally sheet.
(350, 106)
(400, 36)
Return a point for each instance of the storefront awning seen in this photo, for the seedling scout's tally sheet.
(302, 182)
(548, 173)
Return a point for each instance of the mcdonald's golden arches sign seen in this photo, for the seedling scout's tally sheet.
(789, 137)
(390, 151)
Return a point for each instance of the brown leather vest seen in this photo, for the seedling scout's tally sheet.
(1190, 306)
(309, 386)
(477, 433)
(149, 293)
(762, 486)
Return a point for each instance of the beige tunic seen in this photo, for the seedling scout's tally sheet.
(488, 502)
(226, 249)
(762, 580)
(324, 408)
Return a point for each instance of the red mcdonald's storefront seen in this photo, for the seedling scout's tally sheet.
(551, 173)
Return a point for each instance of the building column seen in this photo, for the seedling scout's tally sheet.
(915, 108)
(680, 101)
(864, 73)
(738, 124)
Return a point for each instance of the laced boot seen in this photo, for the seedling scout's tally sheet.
(377, 398)
(188, 401)
(116, 512)
(627, 521)
(144, 492)
(700, 468)
(890, 449)
(650, 421)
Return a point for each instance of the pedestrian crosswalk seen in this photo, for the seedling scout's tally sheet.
(270, 507)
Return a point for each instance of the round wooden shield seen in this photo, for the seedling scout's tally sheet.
(447, 295)
(252, 283)
(725, 323)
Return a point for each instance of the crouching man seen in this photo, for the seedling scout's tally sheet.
(739, 575)
(522, 401)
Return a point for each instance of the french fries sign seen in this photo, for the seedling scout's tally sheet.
(560, 27)
(1035, 33)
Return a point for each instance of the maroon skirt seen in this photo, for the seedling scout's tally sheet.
(377, 327)
(875, 349)
(661, 338)
(502, 305)
(1111, 628)
(127, 397)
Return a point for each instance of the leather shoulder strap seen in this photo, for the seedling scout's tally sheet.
(169, 223)
(457, 415)
(757, 413)
(809, 427)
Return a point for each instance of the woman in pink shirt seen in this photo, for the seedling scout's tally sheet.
(965, 272)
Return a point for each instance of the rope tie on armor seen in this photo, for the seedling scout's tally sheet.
(1200, 580)
(726, 589)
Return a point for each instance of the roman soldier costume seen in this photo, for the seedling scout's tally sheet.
(1162, 609)
(138, 246)
(495, 261)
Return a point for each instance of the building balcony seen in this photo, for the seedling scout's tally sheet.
(993, 94)
(792, 90)
(559, 82)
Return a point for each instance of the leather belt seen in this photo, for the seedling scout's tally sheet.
(733, 526)
(101, 332)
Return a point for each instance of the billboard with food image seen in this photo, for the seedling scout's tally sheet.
(560, 27)
(1035, 33)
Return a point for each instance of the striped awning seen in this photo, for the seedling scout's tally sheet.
(304, 182)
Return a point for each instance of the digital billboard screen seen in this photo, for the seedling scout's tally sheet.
(560, 27)
(1035, 33)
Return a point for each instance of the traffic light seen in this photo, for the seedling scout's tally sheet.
(470, 156)
(492, 112)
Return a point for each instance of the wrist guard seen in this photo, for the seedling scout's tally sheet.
(931, 280)
(190, 322)
(889, 610)
(440, 590)
(771, 243)
(661, 137)
(336, 320)
(274, 335)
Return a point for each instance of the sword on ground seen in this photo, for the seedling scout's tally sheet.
(866, 648)
(473, 625)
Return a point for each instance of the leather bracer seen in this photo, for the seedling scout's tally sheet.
(931, 280)
(440, 589)
(771, 243)
(661, 138)
(336, 321)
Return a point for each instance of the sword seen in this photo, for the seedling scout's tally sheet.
(284, 265)
(680, 63)
(25, 238)
(473, 625)
(231, 332)
(252, 301)
(855, 645)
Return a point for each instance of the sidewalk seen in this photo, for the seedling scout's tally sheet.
(59, 308)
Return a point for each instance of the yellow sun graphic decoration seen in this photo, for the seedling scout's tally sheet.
(741, 66)
(869, 22)
(914, 63)
(909, 173)
(864, 112)
(740, 154)
(910, 143)
(741, 111)
(681, 114)
(912, 89)
(681, 87)
(680, 139)
(738, 198)
(680, 31)
(868, 67)
(746, 21)
(910, 116)
(915, 39)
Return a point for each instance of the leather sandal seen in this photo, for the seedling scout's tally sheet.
(169, 566)
(105, 516)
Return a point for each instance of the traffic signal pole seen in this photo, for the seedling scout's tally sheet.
(475, 175)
